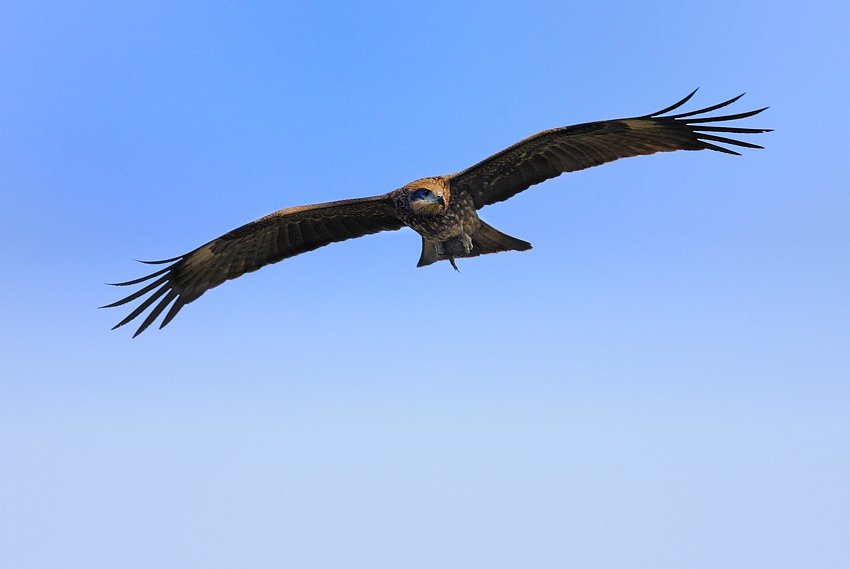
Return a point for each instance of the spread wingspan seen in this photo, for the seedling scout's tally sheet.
(547, 154)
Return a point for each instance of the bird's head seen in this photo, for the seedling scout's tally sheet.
(428, 196)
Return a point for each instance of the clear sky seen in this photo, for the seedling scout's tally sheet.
(662, 382)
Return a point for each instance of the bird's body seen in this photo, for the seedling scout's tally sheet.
(439, 218)
(451, 227)
(442, 209)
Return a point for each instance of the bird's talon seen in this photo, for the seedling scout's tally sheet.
(467, 242)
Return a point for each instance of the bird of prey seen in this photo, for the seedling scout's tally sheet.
(442, 209)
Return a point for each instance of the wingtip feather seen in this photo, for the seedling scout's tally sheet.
(141, 279)
(161, 262)
(172, 312)
(706, 109)
(709, 146)
(675, 105)
(156, 312)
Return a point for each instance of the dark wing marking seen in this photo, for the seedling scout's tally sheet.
(552, 152)
(270, 239)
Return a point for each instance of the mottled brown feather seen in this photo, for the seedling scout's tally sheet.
(551, 153)
(270, 239)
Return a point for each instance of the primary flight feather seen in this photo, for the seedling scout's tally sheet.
(442, 209)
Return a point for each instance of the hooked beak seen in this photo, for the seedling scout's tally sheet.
(430, 204)
(434, 199)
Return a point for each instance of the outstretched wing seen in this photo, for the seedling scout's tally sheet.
(270, 239)
(552, 152)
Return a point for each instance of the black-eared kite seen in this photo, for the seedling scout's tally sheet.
(442, 209)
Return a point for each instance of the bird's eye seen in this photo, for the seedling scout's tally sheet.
(421, 194)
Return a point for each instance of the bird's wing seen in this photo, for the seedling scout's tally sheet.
(552, 152)
(270, 239)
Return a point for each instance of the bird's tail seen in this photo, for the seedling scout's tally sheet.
(485, 241)
(490, 240)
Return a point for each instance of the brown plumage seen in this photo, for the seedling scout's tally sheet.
(442, 209)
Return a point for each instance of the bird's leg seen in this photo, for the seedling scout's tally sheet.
(452, 261)
(466, 241)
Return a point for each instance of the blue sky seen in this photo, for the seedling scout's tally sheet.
(661, 382)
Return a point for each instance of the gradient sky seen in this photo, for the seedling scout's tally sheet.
(662, 382)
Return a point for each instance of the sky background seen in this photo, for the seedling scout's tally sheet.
(662, 382)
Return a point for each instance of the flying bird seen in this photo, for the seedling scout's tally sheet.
(442, 209)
